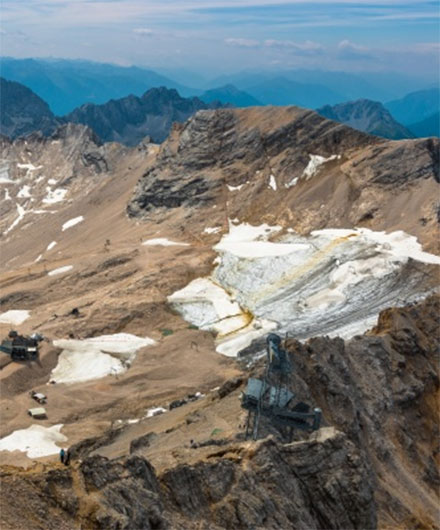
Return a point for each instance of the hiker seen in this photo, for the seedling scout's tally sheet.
(62, 455)
(67, 459)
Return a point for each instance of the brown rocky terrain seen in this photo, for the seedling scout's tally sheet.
(245, 147)
(373, 462)
(374, 467)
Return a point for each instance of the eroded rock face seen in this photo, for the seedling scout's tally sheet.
(321, 483)
(380, 390)
(256, 165)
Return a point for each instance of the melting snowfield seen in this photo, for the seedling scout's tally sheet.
(36, 440)
(84, 360)
(14, 317)
(332, 282)
(163, 242)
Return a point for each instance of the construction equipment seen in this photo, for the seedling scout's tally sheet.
(21, 347)
(271, 398)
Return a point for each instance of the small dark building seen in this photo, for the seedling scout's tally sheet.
(21, 348)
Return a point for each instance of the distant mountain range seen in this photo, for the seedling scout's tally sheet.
(22, 111)
(230, 94)
(428, 127)
(66, 84)
(416, 106)
(128, 120)
(368, 116)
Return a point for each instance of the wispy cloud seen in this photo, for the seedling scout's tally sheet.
(349, 51)
(234, 33)
(145, 32)
(242, 43)
(306, 48)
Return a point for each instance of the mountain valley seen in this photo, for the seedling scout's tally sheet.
(155, 273)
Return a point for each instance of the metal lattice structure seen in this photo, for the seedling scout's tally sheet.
(271, 397)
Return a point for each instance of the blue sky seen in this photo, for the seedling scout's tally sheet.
(217, 36)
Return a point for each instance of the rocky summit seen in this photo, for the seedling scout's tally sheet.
(128, 120)
(156, 273)
(23, 112)
(368, 116)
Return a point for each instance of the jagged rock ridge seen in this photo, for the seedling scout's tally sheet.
(239, 156)
(128, 120)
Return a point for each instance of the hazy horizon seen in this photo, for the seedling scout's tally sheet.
(214, 37)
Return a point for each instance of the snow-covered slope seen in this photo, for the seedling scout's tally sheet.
(333, 282)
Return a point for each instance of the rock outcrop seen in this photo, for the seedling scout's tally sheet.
(321, 483)
(290, 166)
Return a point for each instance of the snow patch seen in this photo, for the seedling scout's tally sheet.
(292, 183)
(332, 282)
(273, 183)
(60, 270)
(38, 258)
(162, 241)
(155, 411)
(7, 196)
(14, 317)
(316, 161)
(21, 212)
(84, 360)
(24, 192)
(29, 167)
(54, 196)
(36, 441)
(51, 245)
(212, 230)
(4, 174)
(72, 222)
(247, 241)
(234, 188)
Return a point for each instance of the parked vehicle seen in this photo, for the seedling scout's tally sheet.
(38, 413)
(40, 398)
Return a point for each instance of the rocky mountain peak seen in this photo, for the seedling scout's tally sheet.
(22, 111)
(128, 120)
(366, 115)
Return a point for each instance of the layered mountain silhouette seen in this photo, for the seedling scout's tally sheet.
(128, 120)
(22, 111)
(230, 94)
(66, 84)
(368, 116)
(430, 126)
(282, 91)
(416, 106)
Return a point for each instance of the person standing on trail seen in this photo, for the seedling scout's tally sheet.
(62, 456)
